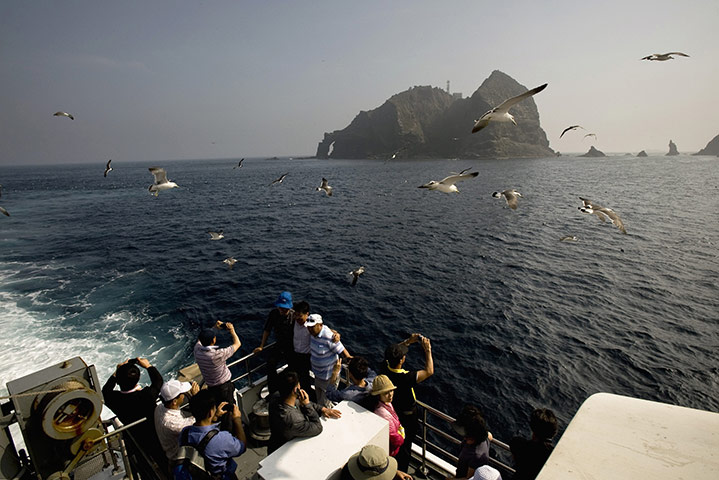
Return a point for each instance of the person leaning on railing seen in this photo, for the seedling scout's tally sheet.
(405, 401)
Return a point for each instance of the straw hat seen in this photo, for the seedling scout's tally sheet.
(382, 384)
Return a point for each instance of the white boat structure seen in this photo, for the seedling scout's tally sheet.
(57, 412)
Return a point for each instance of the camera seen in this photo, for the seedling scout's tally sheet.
(227, 408)
(222, 325)
(133, 361)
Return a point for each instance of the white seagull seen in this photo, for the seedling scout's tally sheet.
(355, 275)
(569, 238)
(602, 212)
(279, 180)
(501, 112)
(510, 196)
(325, 187)
(662, 57)
(239, 165)
(216, 235)
(446, 185)
(2, 210)
(230, 261)
(108, 168)
(63, 114)
(161, 181)
(591, 135)
(573, 127)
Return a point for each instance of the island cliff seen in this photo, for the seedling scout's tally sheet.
(672, 149)
(712, 147)
(427, 122)
(593, 152)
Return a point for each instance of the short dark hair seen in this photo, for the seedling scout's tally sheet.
(127, 376)
(358, 367)
(394, 353)
(471, 423)
(287, 383)
(201, 404)
(207, 336)
(301, 307)
(543, 423)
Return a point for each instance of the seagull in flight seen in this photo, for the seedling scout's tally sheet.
(662, 57)
(63, 114)
(216, 235)
(355, 275)
(230, 261)
(509, 195)
(279, 180)
(591, 135)
(108, 168)
(161, 181)
(501, 112)
(573, 127)
(325, 187)
(447, 185)
(239, 165)
(569, 238)
(460, 173)
(602, 212)
(2, 210)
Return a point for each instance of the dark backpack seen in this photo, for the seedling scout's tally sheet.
(191, 458)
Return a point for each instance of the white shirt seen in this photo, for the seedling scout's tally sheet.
(168, 424)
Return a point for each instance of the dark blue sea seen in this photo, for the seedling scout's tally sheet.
(100, 268)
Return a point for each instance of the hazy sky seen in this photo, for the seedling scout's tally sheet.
(153, 81)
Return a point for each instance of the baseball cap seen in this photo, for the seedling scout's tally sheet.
(314, 319)
(173, 388)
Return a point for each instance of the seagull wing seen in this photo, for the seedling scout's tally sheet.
(481, 123)
(160, 175)
(4, 212)
(507, 104)
(511, 198)
(573, 127)
(613, 217)
(677, 53)
(452, 179)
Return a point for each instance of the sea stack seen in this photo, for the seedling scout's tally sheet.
(427, 122)
(712, 148)
(593, 152)
(672, 149)
(642, 154)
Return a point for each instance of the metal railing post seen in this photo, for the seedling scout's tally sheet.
(423, 469)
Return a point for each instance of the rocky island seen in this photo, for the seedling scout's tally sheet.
(642, 154)
(427, 122)
(672, 149)
(712, 147)
(593, 152)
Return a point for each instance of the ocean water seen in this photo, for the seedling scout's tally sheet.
(100, 268)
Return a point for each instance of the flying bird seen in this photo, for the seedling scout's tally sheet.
(573, 127)
(661, 57)
(325, 187)
(602, 212)
(569, 238)
(2, 210)
(63, 114)
(108, 168)
(239, 165)
(447, 185)
(216, 235)
(355, 275)
(161, 181)
(279, 180)
(230, 261)
(509, 195)
(501, 112)
(591, 135)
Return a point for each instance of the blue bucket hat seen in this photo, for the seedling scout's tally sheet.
(284, 300)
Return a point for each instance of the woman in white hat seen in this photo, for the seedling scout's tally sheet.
(383, 390)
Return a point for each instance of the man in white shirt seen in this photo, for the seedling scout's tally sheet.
(170, 419)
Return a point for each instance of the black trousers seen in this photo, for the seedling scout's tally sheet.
(410, 422)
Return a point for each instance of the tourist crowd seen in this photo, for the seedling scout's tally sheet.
(213, 425)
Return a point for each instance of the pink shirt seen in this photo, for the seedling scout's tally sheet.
(396, 430)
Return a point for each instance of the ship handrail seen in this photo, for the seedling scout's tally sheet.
(246, 360)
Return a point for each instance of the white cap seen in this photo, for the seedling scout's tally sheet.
(314, 319)
(173, 388)
(485, 472)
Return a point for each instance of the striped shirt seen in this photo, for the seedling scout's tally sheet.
(324, 353)
(212, 361)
